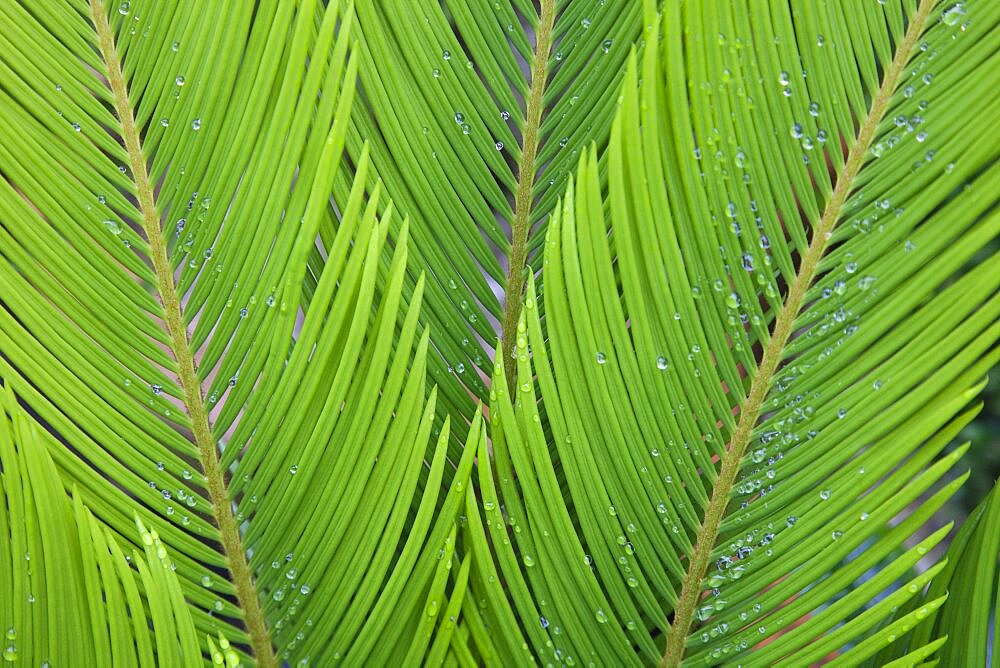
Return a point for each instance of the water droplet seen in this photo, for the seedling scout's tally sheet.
(836, 535)
(294, 469)
(543, 621)
(113, 226)
(179, 81)
(953, 14)
(499, 145)
(196, 124)
(814, 109)
(783, 78)
(601, 617)
(606, 46)
(156, 389)
(601, 358)
(825, 494)
(124, 7)
(661, 363)
(446, 54)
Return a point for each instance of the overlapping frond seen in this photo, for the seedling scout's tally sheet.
(209, 340)
(72, 595)
(473, 129)
(754, 349)
(970, 581)
(235, 244)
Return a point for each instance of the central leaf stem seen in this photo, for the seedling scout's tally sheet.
(524, 197)
(773, 353)
(229, 535)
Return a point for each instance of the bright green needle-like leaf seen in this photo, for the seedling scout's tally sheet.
(748, 365)
(207, 339)
(730, 262)
(71, 596)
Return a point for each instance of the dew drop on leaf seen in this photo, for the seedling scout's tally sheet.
(953, 14)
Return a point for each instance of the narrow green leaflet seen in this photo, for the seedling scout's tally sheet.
(756, 345)
(475, 113)
(209, 340)
(72, 596)
(971, 581)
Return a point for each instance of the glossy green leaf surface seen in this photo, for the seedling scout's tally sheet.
(450, 332)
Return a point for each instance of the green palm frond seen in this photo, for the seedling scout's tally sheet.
(474, 129)
(71, 594)
(743, 377)
(212, 345)
(727, 260)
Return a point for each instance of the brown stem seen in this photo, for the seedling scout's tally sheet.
(523, 199)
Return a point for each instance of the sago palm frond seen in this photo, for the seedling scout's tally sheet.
(748, 369)
(212, 345)
(255, 259)
(474, 129)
